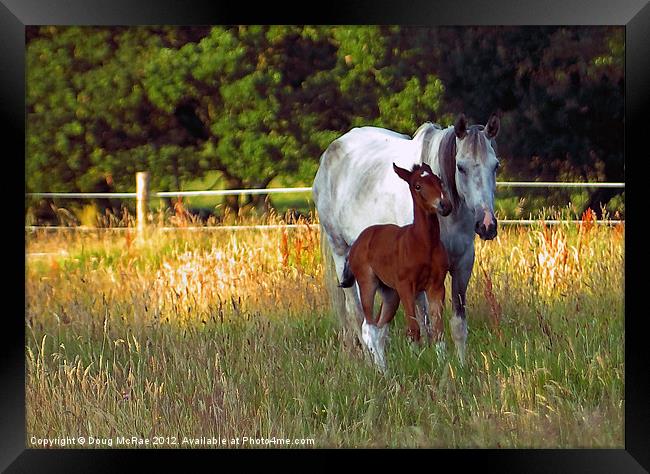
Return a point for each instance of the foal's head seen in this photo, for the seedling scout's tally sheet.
(426, 188)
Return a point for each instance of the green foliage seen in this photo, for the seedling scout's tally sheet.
(409, 108)
(84, 100)
(252, 102)
(559, 91)
(258, 102)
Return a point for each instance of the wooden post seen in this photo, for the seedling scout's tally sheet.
(142, 207)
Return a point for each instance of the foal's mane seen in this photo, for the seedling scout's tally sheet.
(415, 167)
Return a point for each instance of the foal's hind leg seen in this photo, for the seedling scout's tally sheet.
(389, 306)
(367, 285)
(371, 335)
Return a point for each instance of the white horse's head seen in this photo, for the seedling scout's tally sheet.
(469, 164)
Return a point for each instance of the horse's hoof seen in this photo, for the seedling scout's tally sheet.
(441, 351)
(461, 358)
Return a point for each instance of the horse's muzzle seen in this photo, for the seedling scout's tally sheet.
(487, 227)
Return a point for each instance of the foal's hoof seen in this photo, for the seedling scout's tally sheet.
(417, 348)
(378, 362)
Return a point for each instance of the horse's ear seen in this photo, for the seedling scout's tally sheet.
(492, 127)
(402, 173)
(460, 127)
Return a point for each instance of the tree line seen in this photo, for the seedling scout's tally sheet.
(260, 102)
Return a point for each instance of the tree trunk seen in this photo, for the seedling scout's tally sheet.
(177, 179)
(261, 202)
(231, 201)
(599, 198)
(167, 202)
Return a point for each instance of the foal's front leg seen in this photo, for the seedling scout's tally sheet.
(422, 313)
(436, 300)
(407, 295)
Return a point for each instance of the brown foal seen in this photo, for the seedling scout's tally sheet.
(401, 262)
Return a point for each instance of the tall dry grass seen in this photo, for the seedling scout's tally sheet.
(228, 333)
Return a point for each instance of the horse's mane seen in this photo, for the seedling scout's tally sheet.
(447, 158)
(425, 127)
(446, 155)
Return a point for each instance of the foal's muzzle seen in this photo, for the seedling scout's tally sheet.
(444, 207)
(486, 228)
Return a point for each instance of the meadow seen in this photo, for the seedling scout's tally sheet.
(226, 334)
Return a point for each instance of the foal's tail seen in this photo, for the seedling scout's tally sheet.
(348, 276)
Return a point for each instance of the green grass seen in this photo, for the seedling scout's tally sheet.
(230, 335)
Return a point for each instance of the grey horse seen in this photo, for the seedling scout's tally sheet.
(355, 187)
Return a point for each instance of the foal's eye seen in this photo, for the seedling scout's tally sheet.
(462, 169)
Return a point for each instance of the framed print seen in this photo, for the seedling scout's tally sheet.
(262, 230)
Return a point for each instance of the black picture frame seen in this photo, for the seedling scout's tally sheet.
(15, 15)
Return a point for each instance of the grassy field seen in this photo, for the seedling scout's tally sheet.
(229, 335)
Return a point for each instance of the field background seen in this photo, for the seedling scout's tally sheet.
(510, 203)
(229, 333)
(221, 333)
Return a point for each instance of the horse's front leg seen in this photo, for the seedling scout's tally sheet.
(460, 272)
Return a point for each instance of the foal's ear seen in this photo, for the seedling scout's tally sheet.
(402, 173)
(492, 127)
(460, 127)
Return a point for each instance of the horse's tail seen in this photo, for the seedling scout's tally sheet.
(350, 325)
(348, 276)
(337, 299)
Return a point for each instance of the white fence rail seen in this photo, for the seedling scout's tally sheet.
(556, 184)
(143, 195)
(263, 227)
(232, 192)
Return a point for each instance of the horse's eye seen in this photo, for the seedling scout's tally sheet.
(498, 165)
(462, 169)
(417, 187)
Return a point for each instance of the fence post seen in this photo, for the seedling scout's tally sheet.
(142, 207)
